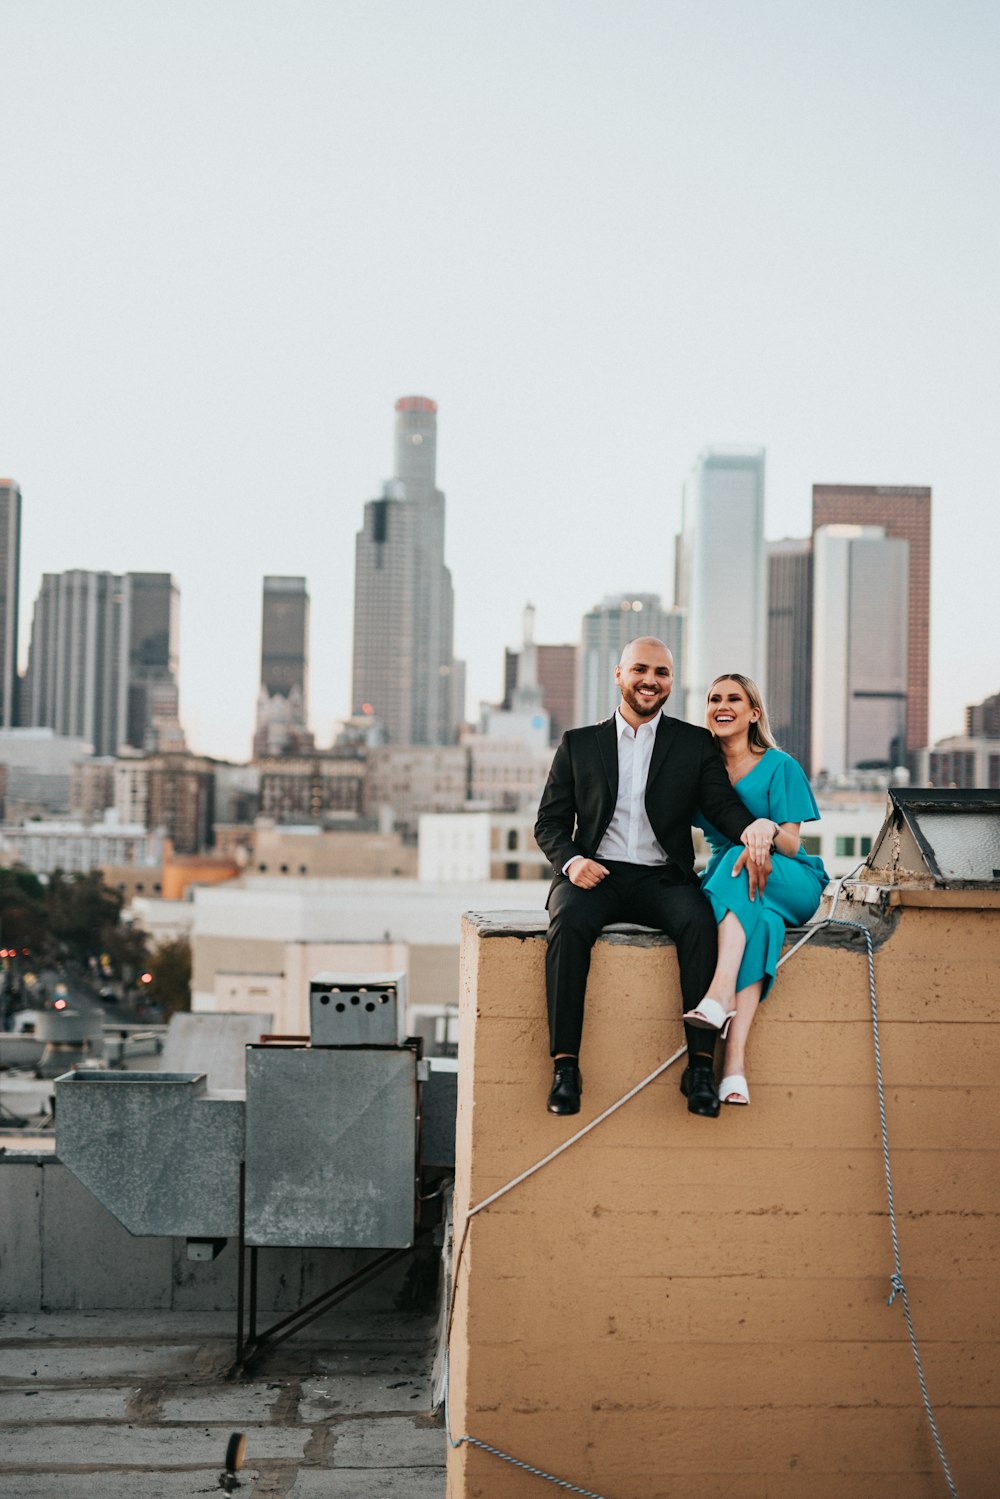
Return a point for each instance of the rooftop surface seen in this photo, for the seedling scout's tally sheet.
(109, 1404)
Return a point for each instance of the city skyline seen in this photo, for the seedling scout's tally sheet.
(384, 590)
(595, 259)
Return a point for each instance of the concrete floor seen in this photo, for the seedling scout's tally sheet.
(115, 1404)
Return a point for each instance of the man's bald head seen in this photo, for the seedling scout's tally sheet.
(645, 675)
(643, 645)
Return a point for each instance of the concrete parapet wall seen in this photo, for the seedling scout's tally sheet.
(679, 1306)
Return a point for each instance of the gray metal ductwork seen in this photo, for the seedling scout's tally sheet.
(331, 1146)
(328, 1132)
(158, 1149)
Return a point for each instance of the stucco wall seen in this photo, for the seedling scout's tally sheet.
(680, 1306)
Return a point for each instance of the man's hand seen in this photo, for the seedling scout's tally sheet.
(586, 873)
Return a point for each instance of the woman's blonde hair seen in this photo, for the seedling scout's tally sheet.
(759, 735)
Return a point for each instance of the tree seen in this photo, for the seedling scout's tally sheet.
(82, 914)
(170, 966)
(127, 952)
(23, 914)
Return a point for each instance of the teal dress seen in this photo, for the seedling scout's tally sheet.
(775, 788)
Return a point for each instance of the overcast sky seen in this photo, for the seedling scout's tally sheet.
(601, 234)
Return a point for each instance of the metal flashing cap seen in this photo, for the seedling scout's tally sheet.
(934, 836)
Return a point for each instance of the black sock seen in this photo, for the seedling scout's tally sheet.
(564, 1064)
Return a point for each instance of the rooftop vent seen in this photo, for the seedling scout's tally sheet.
(938, 838)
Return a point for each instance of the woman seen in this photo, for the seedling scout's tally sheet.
(751, 932)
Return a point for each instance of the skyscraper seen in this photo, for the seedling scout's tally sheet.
(282, 704)
(102, 661)
(789, 644)
(605, 632)
(722, 571)
(903, 511)
(403, 599)
(10, 576)
(860, 631)
(151, 610)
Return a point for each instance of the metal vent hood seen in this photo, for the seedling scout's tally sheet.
(938, 839)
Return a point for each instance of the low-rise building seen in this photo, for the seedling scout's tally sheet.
(312, 852)
(321, 788)
(406, 781)
(264, 925)
(506, 775)
(79, 847)
(174, 792)
(38, 766)
(965, 760)
(92, 787)
(469, 847)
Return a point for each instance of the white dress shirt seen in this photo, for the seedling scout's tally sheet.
(629, 837)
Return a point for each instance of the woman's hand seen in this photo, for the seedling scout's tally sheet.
(756, 873)
(758, 838)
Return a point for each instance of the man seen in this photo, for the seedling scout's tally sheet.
(615, 823)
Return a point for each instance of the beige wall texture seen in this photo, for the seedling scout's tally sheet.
(685, 1307)
(263, 974)
(341, 855)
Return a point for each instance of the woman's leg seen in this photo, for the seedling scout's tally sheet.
(732, 945)
(747, 1004)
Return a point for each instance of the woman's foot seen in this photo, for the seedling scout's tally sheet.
(733, 1089)
(712, 1014)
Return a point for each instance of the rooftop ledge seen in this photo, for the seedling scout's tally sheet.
(873, 898)
(667, 1275)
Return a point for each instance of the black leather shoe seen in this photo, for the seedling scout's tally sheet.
(564, 1095)
(701, 1090)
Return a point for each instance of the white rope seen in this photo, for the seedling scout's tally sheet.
(501, 1191)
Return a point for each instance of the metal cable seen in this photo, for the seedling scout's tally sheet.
(516, 1462)
(896, 1279)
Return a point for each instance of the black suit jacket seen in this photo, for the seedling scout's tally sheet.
(686, 774)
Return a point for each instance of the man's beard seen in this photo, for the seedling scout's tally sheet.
(644, 706)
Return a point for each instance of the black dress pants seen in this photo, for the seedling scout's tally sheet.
(652, 895)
